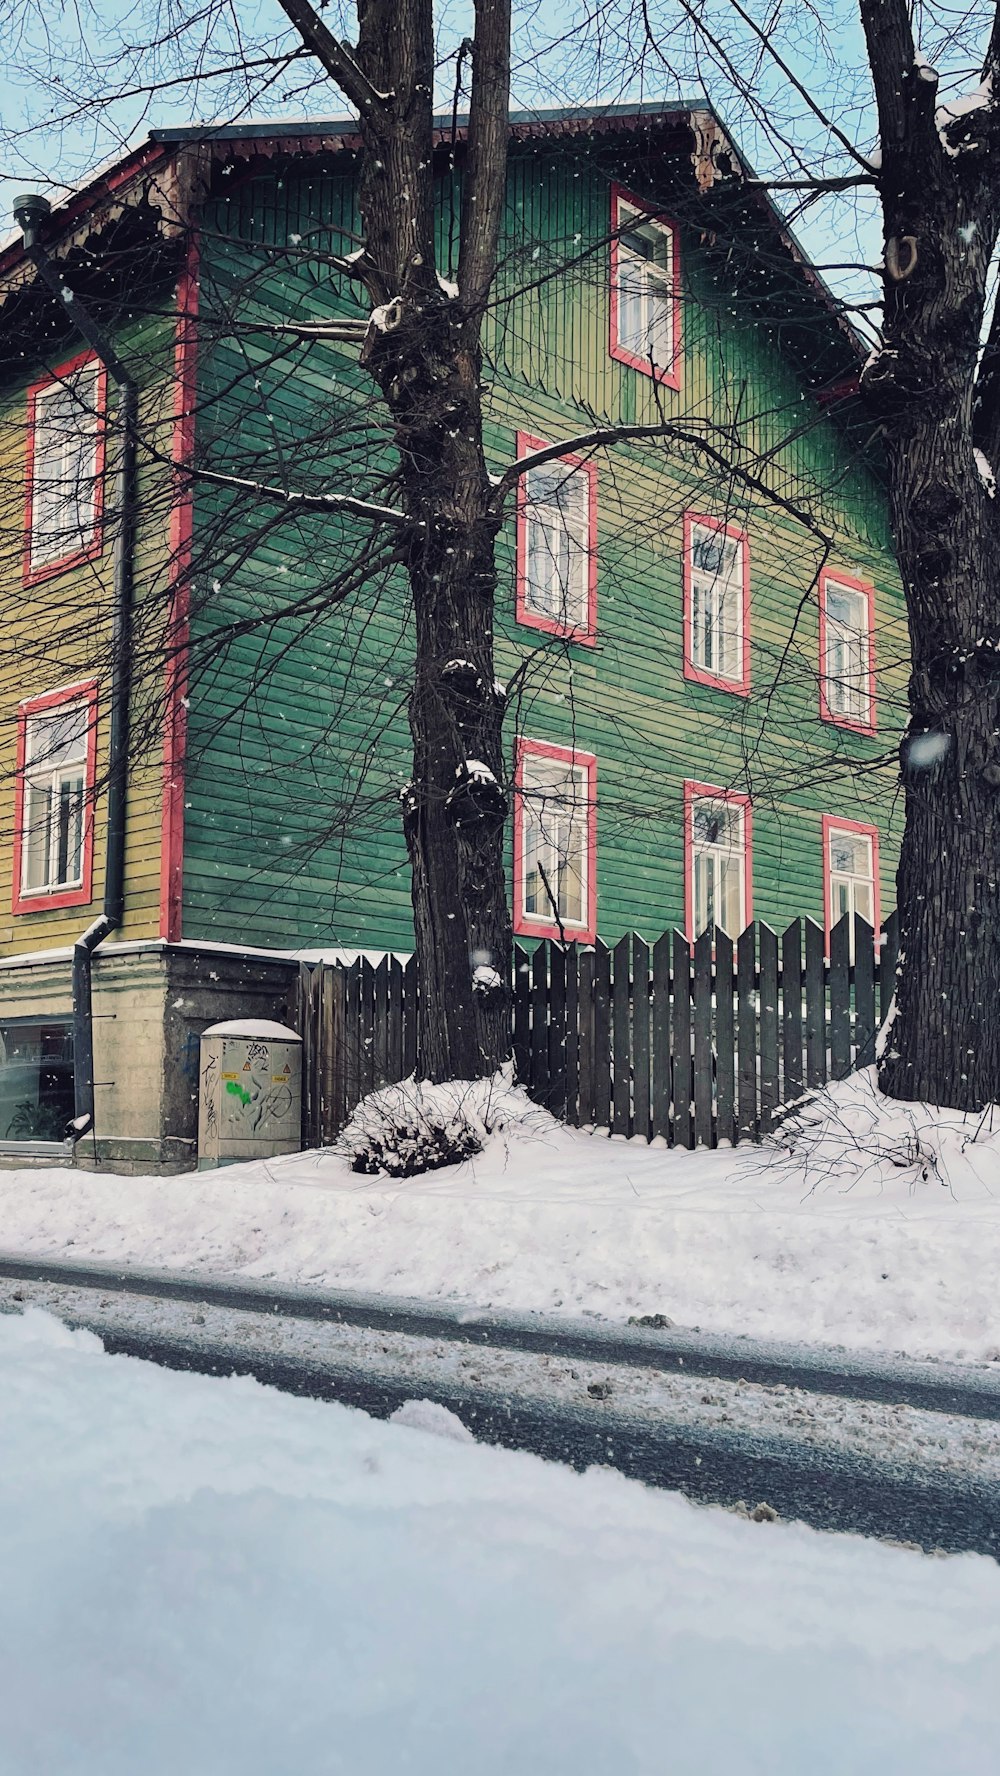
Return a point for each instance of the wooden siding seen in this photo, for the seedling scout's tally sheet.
(298, 734)
(58, 632)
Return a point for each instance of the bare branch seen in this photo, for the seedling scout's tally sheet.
(335, 58)
(305, 502)
(484, 185)
(624, 434)
(309, 331)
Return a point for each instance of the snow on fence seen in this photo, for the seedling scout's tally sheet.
(693, 1042)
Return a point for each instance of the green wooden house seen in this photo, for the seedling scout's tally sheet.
(700, 629)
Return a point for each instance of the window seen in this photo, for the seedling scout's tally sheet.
(645, 306)
(36, 1080)
(557, 545)
(55, 782)
(717, 848)
(555, 841)
(65, 468)
(850, 874)
(847, 667)
(716, 603)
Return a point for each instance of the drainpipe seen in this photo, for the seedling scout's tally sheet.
(30, 212)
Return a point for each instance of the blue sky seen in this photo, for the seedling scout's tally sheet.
(60, 61)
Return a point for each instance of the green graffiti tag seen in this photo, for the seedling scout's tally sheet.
(234, 1087)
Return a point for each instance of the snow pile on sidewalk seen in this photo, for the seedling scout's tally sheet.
(876, 1227)
(207, 1576)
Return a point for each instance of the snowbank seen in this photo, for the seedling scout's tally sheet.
(207, 1576)
(879, 1228)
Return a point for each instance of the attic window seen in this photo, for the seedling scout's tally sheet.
(645, 290)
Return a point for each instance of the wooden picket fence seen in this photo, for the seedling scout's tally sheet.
(694, 1043)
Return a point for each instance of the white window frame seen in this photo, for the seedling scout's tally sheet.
(709, 863)
(847, 666)
(558, 831)
(650, 285)
(556, 569)
(841, 886)
(55, 782)
(717, 652)
(65, 495)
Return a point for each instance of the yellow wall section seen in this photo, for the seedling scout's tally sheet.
(57, 632)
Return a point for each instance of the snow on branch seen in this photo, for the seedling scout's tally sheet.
(304, 502)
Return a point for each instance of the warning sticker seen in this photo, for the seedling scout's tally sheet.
(247, 1067)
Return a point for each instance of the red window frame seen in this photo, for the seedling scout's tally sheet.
(45, 900)
(671, 378)
(524, 925)
(525, 445)
(853, 585)
(46, 569)
(737, 686)
(696, 792)
(831, 823)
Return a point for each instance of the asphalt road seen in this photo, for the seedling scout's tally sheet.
(970, 1391)
(631, 1399)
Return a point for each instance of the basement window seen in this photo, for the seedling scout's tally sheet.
(36, 1080)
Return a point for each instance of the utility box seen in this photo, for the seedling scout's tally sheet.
(250, 1096)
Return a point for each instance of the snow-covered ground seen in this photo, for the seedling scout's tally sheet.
(209, 1577)
(880, 1230)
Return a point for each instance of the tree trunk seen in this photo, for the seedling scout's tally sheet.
(423, 350)
(426, 358)
(940, 206)
(455, 806)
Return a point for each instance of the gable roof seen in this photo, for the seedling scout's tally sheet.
(165, 176)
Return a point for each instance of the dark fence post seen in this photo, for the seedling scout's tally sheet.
(640, 1037)
(556, 1098)
(572, 1049)
(840, 998)
(746, 979)
(682, 1094)
(769, 1094)
(887, 964)
(621, 1021)
(380, 1046)
(725, 1039)
(409, 1017)
(396, 1065)
(539, 1023)
(703, 1083)
(587, 1070)
(864, 993)
(815, 1005)
(791, 1011)
(660, 1020)
(522, 1016)
(602, 1035)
